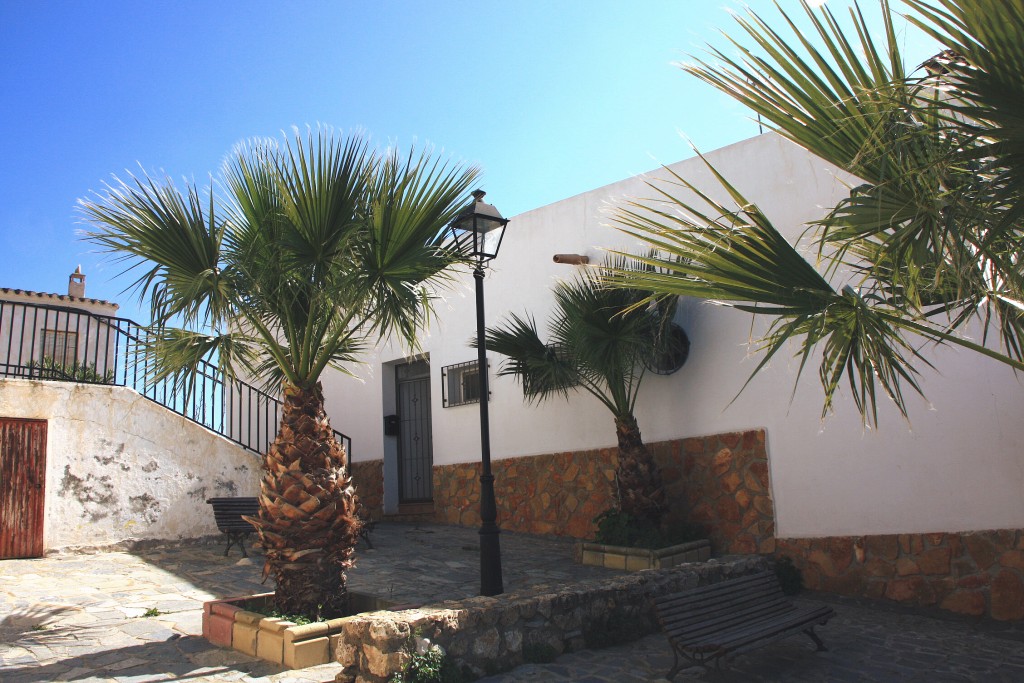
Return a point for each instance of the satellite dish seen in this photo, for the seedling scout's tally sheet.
(671, 354)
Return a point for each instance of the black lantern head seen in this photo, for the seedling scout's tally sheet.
(479, 229)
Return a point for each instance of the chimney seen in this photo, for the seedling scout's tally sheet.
(76, 283)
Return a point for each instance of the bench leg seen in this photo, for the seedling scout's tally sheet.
(817, 641)
(236, 538)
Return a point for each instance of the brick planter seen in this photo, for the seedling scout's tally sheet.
(635, 559)
(226, 623)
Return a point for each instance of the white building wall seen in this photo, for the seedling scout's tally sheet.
(121, 468)
(956, 467)
(87, 337)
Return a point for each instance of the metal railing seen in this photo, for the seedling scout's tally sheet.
(42, 341)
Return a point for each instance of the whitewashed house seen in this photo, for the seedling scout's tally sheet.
(928, 512)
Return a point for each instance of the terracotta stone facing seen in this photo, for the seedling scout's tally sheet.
(978, 573)
(557, 493)
(719, 482)
(369, 478)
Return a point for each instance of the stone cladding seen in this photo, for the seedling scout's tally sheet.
(719, 482)
(369, 480)
(485, 635)
(979, 573)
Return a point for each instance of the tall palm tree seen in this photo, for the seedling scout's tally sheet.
(933, 234)
(599, 341)
(316, 246)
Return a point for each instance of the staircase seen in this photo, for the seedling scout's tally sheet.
(59, 343)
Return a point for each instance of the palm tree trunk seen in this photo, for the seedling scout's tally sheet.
(307, 521)
(637, 478)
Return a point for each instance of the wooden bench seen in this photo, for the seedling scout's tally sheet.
(228, 514)
(729, 617)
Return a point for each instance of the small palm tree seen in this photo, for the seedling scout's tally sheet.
(600, 341)
(317, 247)
(933, 235)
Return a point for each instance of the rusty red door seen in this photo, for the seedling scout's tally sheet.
(22, 480)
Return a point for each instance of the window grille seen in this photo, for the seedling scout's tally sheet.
(460, 384)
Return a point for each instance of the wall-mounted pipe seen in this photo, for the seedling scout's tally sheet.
(572, 259)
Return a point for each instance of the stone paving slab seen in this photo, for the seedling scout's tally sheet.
(78, 618)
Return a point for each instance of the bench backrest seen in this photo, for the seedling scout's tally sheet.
(706, 610)
(228, 512)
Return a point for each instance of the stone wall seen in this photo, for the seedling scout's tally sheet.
(485, 635)
(718, 481)
(721, 482)
(368, 476)
(122, 469)
(976, 573)
(558, 493)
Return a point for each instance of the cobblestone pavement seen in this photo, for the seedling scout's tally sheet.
(82, 617)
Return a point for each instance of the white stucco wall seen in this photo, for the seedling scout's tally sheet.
(957, 466)
(120, 468)
(26, 317)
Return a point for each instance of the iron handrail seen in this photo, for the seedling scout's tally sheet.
(61, 343)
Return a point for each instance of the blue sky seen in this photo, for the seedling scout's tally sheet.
(550, 97)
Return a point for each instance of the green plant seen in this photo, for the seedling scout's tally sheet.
(615, 527)
(601, 341)
(928, 242)
(152, 612)
(271, 611)
(428, 663)
(790, 578)
(317, 247)
(49, 368)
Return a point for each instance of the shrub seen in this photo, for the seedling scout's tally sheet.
(428, 664)
(615, 527)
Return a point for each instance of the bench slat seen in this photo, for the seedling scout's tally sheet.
(709, 622)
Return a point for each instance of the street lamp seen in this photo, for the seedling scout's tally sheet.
(478, 230)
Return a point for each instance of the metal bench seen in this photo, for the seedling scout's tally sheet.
(729, 617)
(228, 514)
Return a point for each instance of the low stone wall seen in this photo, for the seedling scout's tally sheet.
(368, 476)
(980, 573)
(718, 481)
(485, 635)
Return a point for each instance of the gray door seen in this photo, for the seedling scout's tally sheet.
(415, 442)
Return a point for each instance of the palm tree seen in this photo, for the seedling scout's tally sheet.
(600, 341)
(316, 247)
(932, 236)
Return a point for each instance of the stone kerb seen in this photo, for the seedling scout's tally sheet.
(487, 634)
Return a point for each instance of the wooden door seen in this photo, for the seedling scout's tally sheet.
(22, 487)
(415, 440)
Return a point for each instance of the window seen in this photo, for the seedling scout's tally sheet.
(460, 384)
(60, 346)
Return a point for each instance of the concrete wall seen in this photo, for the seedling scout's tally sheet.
(956, 467)
(121, 468)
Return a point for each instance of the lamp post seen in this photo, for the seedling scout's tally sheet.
(479, 229)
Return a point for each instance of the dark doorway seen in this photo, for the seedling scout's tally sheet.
(415, 439)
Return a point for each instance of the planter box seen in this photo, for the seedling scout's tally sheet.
(635, 559)
(228, 624)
